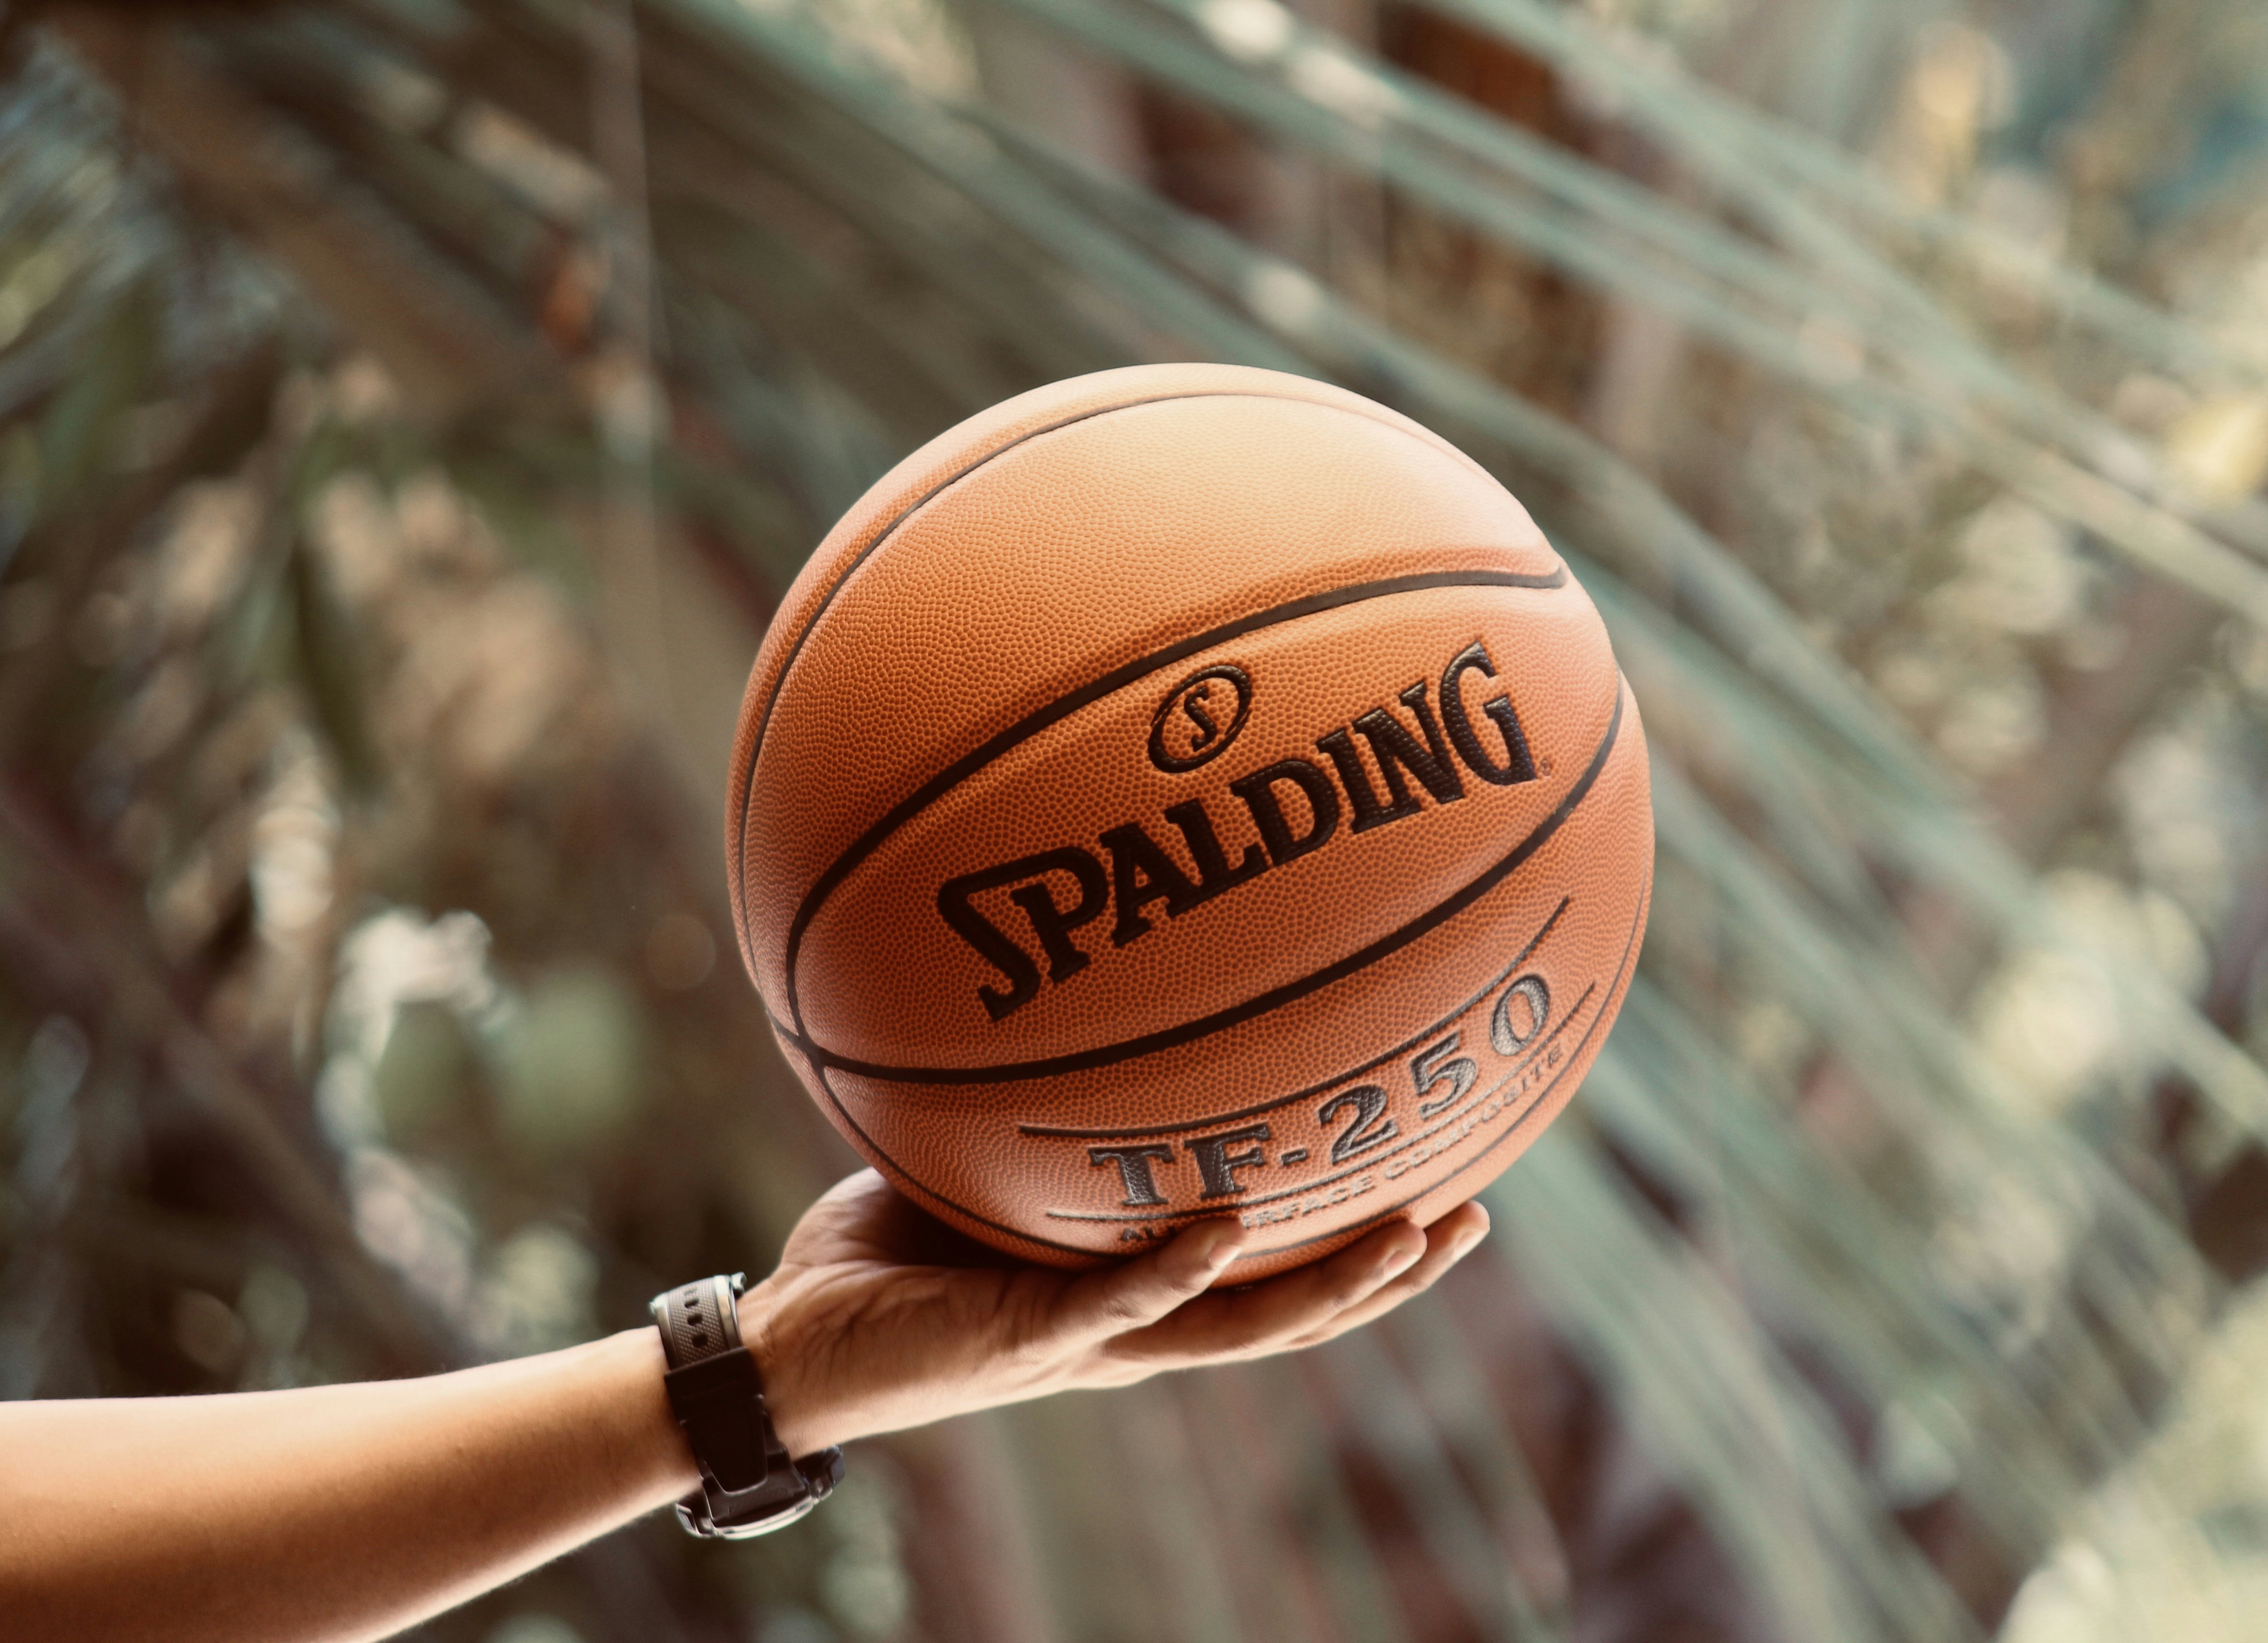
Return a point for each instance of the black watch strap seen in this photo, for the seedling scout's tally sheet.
(749, 1483)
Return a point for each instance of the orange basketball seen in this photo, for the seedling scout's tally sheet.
(1188, 791)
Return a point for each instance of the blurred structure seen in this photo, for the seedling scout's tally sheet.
(410, 408)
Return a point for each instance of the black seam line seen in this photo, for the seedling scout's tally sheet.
(746, 796)
(1403, 1143)
(927, 1191)
(1354, 1230)
(787, 665)
(1313, 1090)
(1275, 998)
(1373, 1160)
(1298, 1095)
(1064, 706)
(1637, 922)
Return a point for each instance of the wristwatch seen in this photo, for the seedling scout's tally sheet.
(749, 1483)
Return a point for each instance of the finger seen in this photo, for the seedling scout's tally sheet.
(1269, 1314)
(1447, 1241)
(853, 1208)
(861, 1193)
(864, 1216)
(1136, 1293)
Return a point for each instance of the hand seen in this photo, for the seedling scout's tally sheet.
(878, 1317)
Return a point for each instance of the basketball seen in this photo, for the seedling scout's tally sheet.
(1188, 791)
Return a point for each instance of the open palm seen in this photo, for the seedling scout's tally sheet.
(879, 1317)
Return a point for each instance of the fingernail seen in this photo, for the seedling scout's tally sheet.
(1467, 1242)
(1400, 1260)
(1223, 1251)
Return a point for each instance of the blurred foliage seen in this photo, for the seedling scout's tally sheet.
(410, 408)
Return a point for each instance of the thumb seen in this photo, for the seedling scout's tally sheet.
(1137, 1293)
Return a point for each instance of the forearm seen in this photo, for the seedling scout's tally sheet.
(331, 1513)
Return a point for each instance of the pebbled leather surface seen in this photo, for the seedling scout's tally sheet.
(969, 673)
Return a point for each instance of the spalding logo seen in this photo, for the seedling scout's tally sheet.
(1194, 723)
(1199, 718)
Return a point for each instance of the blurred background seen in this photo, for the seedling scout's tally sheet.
(411, 409)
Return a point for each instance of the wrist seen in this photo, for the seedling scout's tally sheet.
(750, 1483)
(805, 1418)
(647, 1437)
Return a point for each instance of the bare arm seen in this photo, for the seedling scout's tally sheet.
(332, 1512)
(350, 1512)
